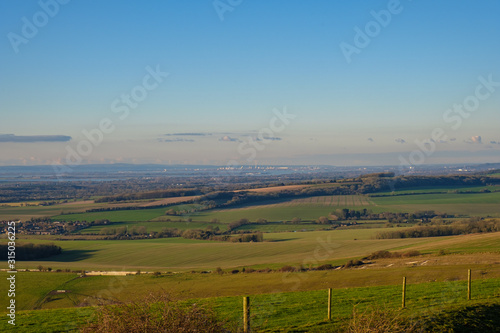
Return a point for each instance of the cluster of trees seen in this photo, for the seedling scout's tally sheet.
(30, 251)
(245, 238)
(365, 214)
(456, 228)
(386, 254)
(210, 233)
(236, 224)
(123, 231)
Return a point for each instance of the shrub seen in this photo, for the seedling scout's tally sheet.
(155, 314)
(353, 263)
(219, 271)
(464, 318)
(288, 268)
(379, 320)
(387, 254)
(442, 252)
(379, 255)
(324, 267)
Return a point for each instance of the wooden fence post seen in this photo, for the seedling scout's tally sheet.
(404, 292)
(329, 304)
(469, 278)
(246, 314)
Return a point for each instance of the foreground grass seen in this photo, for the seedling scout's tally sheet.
(34, 288)
(299, 311)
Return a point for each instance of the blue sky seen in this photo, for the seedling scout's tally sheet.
(229, 78)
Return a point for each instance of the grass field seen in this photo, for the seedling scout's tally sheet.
(155, 226)
(273, 305)
(495, 175)
(297, 311)
(472, 204)
(114, 216)
(178, 254)
(35, 287)
(439, 189)
(307, 209)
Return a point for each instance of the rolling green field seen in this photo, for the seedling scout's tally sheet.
(439, 189)
(180, 254)
(298, 311)
(114, 216)
(157, 226)
(440, 199)
(471, 204)
(308, 209)
(284, 243)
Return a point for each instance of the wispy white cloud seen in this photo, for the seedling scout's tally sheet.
(176, 140)
(33, 138)
(189, 134)
(272, 138)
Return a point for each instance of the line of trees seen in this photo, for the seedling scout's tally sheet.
(365, 214)
(456, 228)
(210, 233)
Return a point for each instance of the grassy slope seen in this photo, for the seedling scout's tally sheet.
(297, 311)
(473, 204)
(306, 208)
(181, 254)
(271, 312)
(177, 254)
(156, 226)
(186, 285)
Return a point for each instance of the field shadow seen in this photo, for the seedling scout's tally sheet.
(281, 240)
(70, 256)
